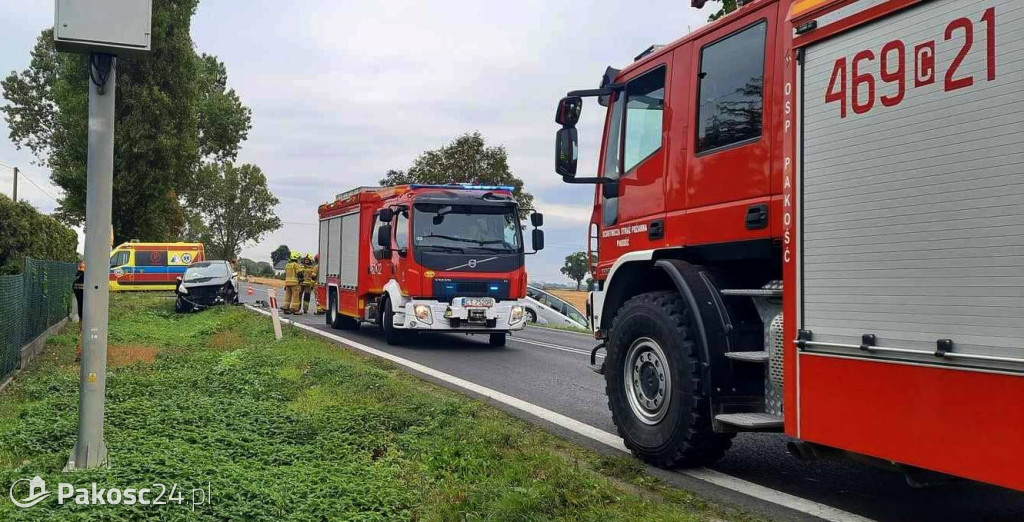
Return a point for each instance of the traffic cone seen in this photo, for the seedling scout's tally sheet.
(248, 291)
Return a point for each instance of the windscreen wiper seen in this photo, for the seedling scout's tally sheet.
(443, 248)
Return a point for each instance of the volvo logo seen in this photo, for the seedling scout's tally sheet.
(472, 263)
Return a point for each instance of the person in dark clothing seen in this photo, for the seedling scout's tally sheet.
(78, 288)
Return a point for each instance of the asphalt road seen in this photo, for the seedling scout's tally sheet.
(550, 369)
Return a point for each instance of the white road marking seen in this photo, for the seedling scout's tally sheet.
(611, 440)
(552, 346)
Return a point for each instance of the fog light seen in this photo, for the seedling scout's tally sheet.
(422, 313)
(517, 314)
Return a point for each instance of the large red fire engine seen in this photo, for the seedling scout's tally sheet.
(808, 219)
(433, 258)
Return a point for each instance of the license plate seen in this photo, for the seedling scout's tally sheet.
(477, 302)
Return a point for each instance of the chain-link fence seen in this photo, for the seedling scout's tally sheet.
(30, 303)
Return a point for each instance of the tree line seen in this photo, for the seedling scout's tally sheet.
(178, 131)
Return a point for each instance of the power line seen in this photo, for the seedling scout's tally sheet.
(30, 180)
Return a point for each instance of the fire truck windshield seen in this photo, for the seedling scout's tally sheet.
(466, 228)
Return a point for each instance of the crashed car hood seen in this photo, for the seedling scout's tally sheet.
(205, 281)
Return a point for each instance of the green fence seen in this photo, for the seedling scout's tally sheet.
(30, 303)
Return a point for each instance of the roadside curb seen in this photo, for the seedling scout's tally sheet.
(581, 334)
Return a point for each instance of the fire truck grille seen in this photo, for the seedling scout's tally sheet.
(445, 290)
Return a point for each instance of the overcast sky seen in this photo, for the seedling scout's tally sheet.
(342, 91)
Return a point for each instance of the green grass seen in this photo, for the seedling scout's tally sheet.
(301, 429)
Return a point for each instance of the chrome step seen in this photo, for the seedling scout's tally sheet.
(753, 357)
(750, 421)
(752, 292)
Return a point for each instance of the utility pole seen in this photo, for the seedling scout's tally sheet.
(90, 449)
(102, 30)
(14, 195)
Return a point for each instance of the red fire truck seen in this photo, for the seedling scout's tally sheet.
(807, 219)
(425, 258)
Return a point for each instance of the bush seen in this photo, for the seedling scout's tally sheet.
(24, 231)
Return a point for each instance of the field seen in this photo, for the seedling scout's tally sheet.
(299, 429)
(573, 297)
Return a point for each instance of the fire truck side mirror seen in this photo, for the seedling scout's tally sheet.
(538, 239)
(537, 219)
(384, 236)
(569, 109)
(386, 214)
(566, 151)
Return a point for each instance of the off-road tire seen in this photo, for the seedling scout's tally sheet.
(498, 340)
(684, 436)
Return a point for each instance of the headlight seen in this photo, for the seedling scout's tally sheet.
(182, 289)
(422, 313)
(517, 314)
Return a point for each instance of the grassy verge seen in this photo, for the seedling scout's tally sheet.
(300, 429)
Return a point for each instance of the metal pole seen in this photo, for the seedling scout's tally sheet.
(90, 450)
(14, 195)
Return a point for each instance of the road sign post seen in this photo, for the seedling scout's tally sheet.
(272, 300)
(101, 29)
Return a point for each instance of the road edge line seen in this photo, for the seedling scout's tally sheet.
(710, 476)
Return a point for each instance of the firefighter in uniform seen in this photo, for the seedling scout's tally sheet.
(308, 283)
(318, 307)
(291, 284)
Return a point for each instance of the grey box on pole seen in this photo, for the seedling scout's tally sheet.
(120, 27)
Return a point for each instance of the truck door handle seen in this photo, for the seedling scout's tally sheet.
(656, 229)
(757, 216)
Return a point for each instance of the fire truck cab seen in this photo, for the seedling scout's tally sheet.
(853, 164)
(425, 258)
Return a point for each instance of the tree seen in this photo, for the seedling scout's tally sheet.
(235, 206)
(728, 6)
(576, 267)
(25, 232)
(173, 111)
(279, 254)
(466, 160)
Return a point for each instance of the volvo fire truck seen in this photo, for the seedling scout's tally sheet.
(425, 258)
(807, 219)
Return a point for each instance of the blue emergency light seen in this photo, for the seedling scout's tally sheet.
(465, 186)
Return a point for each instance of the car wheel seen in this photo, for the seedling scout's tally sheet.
(181, 306)
(654, 386)
(531, 316)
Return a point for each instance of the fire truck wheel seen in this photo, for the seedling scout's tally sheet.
(498, 339)
(339, 321)
(653, 383)
(392, 335)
